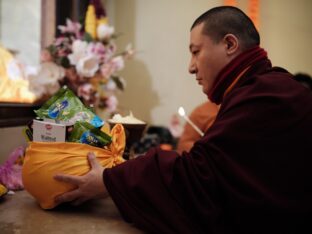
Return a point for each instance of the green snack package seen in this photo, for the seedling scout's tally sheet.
(66, 106)
(86, 133)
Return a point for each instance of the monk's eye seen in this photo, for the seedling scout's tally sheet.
(195, 52)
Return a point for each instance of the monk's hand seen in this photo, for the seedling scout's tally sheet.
(89, 186)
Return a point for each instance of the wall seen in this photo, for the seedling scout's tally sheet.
(10, 138)
(158, 80)
(286, 33)
(20, 28)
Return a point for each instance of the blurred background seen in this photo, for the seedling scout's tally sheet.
(157, 77)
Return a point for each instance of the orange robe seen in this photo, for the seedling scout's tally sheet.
(202, 116)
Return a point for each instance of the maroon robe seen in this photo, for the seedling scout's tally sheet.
(250, 173)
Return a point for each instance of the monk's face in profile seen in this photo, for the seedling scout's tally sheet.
(207, 57)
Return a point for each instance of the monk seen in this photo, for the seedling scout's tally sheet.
(250, 173)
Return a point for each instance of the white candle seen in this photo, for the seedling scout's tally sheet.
(182, 113)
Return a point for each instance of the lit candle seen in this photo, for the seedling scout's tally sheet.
(182, 113)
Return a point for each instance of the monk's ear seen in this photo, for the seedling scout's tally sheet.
(231, 43)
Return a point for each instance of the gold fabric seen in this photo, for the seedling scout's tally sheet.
(45, 159)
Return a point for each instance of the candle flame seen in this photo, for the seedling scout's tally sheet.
(181, 111)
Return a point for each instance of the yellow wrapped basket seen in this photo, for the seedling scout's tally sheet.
(45, 159)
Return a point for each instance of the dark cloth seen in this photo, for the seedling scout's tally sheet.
(230, 72)
(250, 173)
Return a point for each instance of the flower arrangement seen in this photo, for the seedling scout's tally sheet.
(84, 58)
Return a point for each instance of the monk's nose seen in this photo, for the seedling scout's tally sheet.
(192, 68)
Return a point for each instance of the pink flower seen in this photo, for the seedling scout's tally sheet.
(114, 65)
(71, 27)
(60, 40)
(111, 103)
(85, 91)
(107, 69)
(11, 170)
(90, 65)
(62, 53)
(97, 49)
(46, 56)
(118, 63)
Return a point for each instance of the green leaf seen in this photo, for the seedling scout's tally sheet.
(118, 82)
(87, 37)
(51, 49)
(64, 61)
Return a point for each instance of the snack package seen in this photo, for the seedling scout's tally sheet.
(43, 160)
(66, 106)
(86, 133)
(29, 131)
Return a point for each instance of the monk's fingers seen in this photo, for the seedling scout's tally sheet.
(93, 161)
(76, 180)
(68, 197)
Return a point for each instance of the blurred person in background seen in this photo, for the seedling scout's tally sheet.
(304, 79)
(203, 117)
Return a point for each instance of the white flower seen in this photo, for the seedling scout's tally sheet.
(87, 66)
(79, 51)
(45, 80)
(114, 65)
(129, 51)
(118, 62)
(83, 57)
(104, 31)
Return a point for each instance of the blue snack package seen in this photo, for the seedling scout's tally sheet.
(86, 133)
(66, 106)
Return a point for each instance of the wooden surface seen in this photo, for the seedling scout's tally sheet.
(16, 114)
(19, 213)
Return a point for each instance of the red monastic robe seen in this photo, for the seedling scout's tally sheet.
(250, 173)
